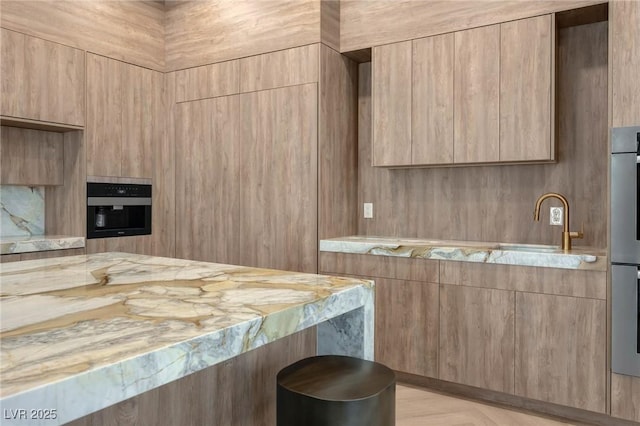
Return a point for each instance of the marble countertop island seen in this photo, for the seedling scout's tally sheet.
(470, 251)
(81, 333)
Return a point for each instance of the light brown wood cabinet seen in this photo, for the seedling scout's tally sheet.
(432, 97)
(124, 118)
(476, 337)
(526, 76)
(208, 185)
(406, 329)
(476, 96)
(539, 333)
(561, 350)
(279, 207)
(625, 397)
(246, 178)
(41, 80)
(391, 94)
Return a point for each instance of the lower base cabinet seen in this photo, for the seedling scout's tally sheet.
(406, 330)
(561, 350)
(476, 337)
(538, 333)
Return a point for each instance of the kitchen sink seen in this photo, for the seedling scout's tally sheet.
(536, 248)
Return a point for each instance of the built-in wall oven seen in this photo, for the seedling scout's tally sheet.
(625, 250)
(118, 209)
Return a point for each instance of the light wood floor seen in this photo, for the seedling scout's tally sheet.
(420, 407)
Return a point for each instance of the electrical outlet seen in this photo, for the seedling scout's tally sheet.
(368, 210)
(556, 215)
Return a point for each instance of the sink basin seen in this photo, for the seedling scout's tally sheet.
(536, 248)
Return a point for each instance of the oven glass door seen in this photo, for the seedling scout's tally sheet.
(625, 232)
(625, 303)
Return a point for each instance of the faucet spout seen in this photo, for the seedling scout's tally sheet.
(565, 203)
(566, 235)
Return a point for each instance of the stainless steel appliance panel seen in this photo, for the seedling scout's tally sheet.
(625, 336)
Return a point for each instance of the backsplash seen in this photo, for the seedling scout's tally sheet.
(21, 210)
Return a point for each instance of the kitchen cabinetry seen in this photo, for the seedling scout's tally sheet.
(476, 96)
(539, 333)
(41, 80)
(412, 307)
(255, 177)
(391, 94)
(526, 68)
(124, 109)
(208, 179)
(625, 397)
(476, 337)
(279, 207)
(432, 97)
(561, 350)
(407, 312)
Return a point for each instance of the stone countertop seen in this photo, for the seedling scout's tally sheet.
(81, 333)
(28, 244)
(470, 251)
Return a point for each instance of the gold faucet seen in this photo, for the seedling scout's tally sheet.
(566, 235)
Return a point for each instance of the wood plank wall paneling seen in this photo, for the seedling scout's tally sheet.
(337, 145)
(330, 23)
(249, 27)
(278, 69)
(164, 177)
(367, 23)
(219, 395)
(624, 17)
(208, 81)
(31, 157)
(66, 205)
(625, 397)
(131, 31)
(495, 203)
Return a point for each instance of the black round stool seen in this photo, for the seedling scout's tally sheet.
(336, 390)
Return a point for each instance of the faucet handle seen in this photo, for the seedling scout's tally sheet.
(579, 234)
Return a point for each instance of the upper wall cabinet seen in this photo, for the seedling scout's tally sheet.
(471, 97)
(41, 81)
(124, 109)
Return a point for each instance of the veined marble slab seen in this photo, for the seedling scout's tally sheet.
(21, 210)
(28, 244)
(81, 333)
(470, 251)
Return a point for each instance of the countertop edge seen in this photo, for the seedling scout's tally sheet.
(18, 245)
(474, 252)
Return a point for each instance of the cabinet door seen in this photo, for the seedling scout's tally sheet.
(476, 337)
(391, 94)
(141, 119)
(208, 182)
(41, 80)
(625, 397)
(561, 350)
(103, 134)
(279, 137)
(406, 330)
(477, 95)
(432, 111)
(525, 90)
